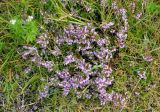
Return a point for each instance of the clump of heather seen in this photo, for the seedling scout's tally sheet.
(89, 59)
(122, 32)
(86, 62)
(31, 54)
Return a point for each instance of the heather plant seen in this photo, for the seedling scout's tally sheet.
(87, 59)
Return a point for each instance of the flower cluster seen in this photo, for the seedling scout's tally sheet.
(69, 59)
(142, 74)
(138, 16)
(90, 60)
(44, 92)
(56, 51)
(122, 33)
(27, 70)
(108, 25)
(86, 63)
(148, 58)
(32, 54)
(43, 41)
(133, 6)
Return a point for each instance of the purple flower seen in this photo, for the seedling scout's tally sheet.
(69, 59)
(142, 74)
(148, 58)
(88, 8)
(43, 40)
(84, 67)
(56, 51)
(68, 41)
(114, 6)
(118, 99)
(44, 93)
(47, 64)
(102, 42)
(59, 40)
(27, 70)
(121, 43)
(88, 95)
(101, 55)
(66, 87)
(108, 25)
(138, 15)
(107, 70)
(79, 94)
(29, 51)
(63, 74)
(104, 97)
(102, 82)
(74, 81)
(133, 5)
(83, 81)
(122, 33)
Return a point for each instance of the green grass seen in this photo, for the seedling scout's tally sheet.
(143, 37)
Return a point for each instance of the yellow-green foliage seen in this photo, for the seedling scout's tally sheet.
(23, 30)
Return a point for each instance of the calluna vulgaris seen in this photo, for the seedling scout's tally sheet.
(86, 65)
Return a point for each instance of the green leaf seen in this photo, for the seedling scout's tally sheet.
(2, 44)
(152, 7)
(96, 66)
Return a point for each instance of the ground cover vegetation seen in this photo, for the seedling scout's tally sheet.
(80, 55)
